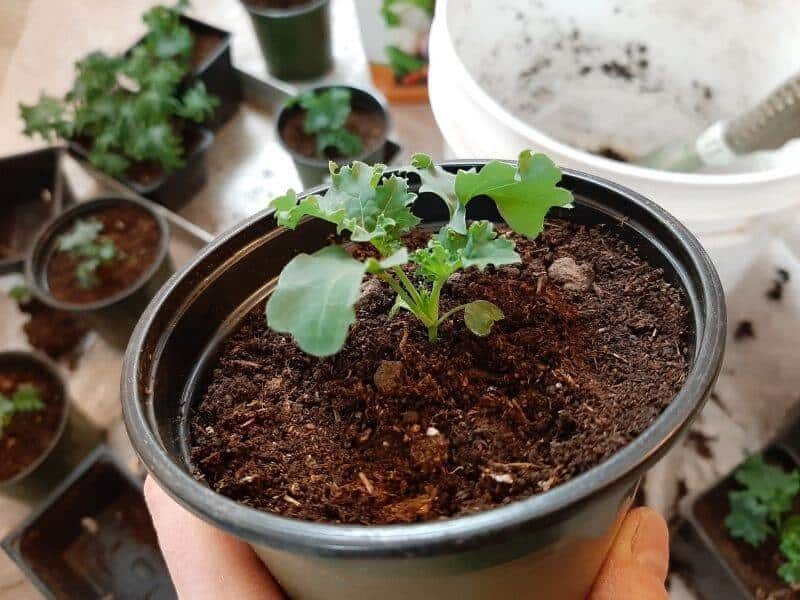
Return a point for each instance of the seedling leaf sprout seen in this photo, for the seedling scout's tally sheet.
(85, 243)
(25, 399)
(758, 511)
(315, 296)
(326, 114)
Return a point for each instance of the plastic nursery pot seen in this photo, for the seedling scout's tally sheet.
(113, 317)
(548, 546)
(73, 439)
(312, 170)
(170, 188)
(34, 192)
(296, 41)
(92, 538)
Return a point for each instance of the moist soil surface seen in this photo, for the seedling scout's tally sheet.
(134, 232)
(757, 567)
(368, 125)
(29, 434)
(397, 429)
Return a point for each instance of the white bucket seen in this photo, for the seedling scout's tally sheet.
(564, 76)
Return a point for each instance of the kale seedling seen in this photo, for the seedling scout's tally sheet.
(84, 242)
(326, 114)
(758, 510)
(127, 107)
(316, 293)
(25, 399)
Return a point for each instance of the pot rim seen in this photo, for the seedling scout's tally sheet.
(458, 533)
(284, 13)
(48, 366)
(323, 164)
(35, 256)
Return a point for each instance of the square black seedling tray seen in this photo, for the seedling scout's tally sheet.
(92, 538)
(716, 565)
(34, 191)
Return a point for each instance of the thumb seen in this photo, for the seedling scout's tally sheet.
(638, 561)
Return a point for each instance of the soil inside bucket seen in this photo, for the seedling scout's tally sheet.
(395, 428)
(29, 434)
(757, 567)
(135, 234)
(368, 125)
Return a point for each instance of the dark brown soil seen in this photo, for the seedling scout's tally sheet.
(29, 434)
(277, 4)
(134, 232)
(756, 567)
(369, 126)
(57, 333)
(397, 429)
(206, 43)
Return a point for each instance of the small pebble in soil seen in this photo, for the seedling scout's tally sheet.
(744, 330)
(388, 376)
(572, 276)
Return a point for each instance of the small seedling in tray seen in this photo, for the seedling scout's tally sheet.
(25, 398)
(85, 243)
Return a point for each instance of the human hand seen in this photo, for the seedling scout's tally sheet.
(207, 563)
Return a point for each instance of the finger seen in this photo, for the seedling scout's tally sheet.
(638, 561)
(203, 561)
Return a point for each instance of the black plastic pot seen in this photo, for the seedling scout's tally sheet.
(170, 188)
(34, 191)
(113, 318)
(92, 538)
(295, 42)
(550, 545)
(76, 438)
(696, 556)
(314, 171)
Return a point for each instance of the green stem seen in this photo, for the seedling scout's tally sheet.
(384, 276)
(433, 332)
(450, 313)
(412, 290)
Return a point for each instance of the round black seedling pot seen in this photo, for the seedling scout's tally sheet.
(315, 171)
(114, 317)
(74, 440)
(296, 41)
(546, 546)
